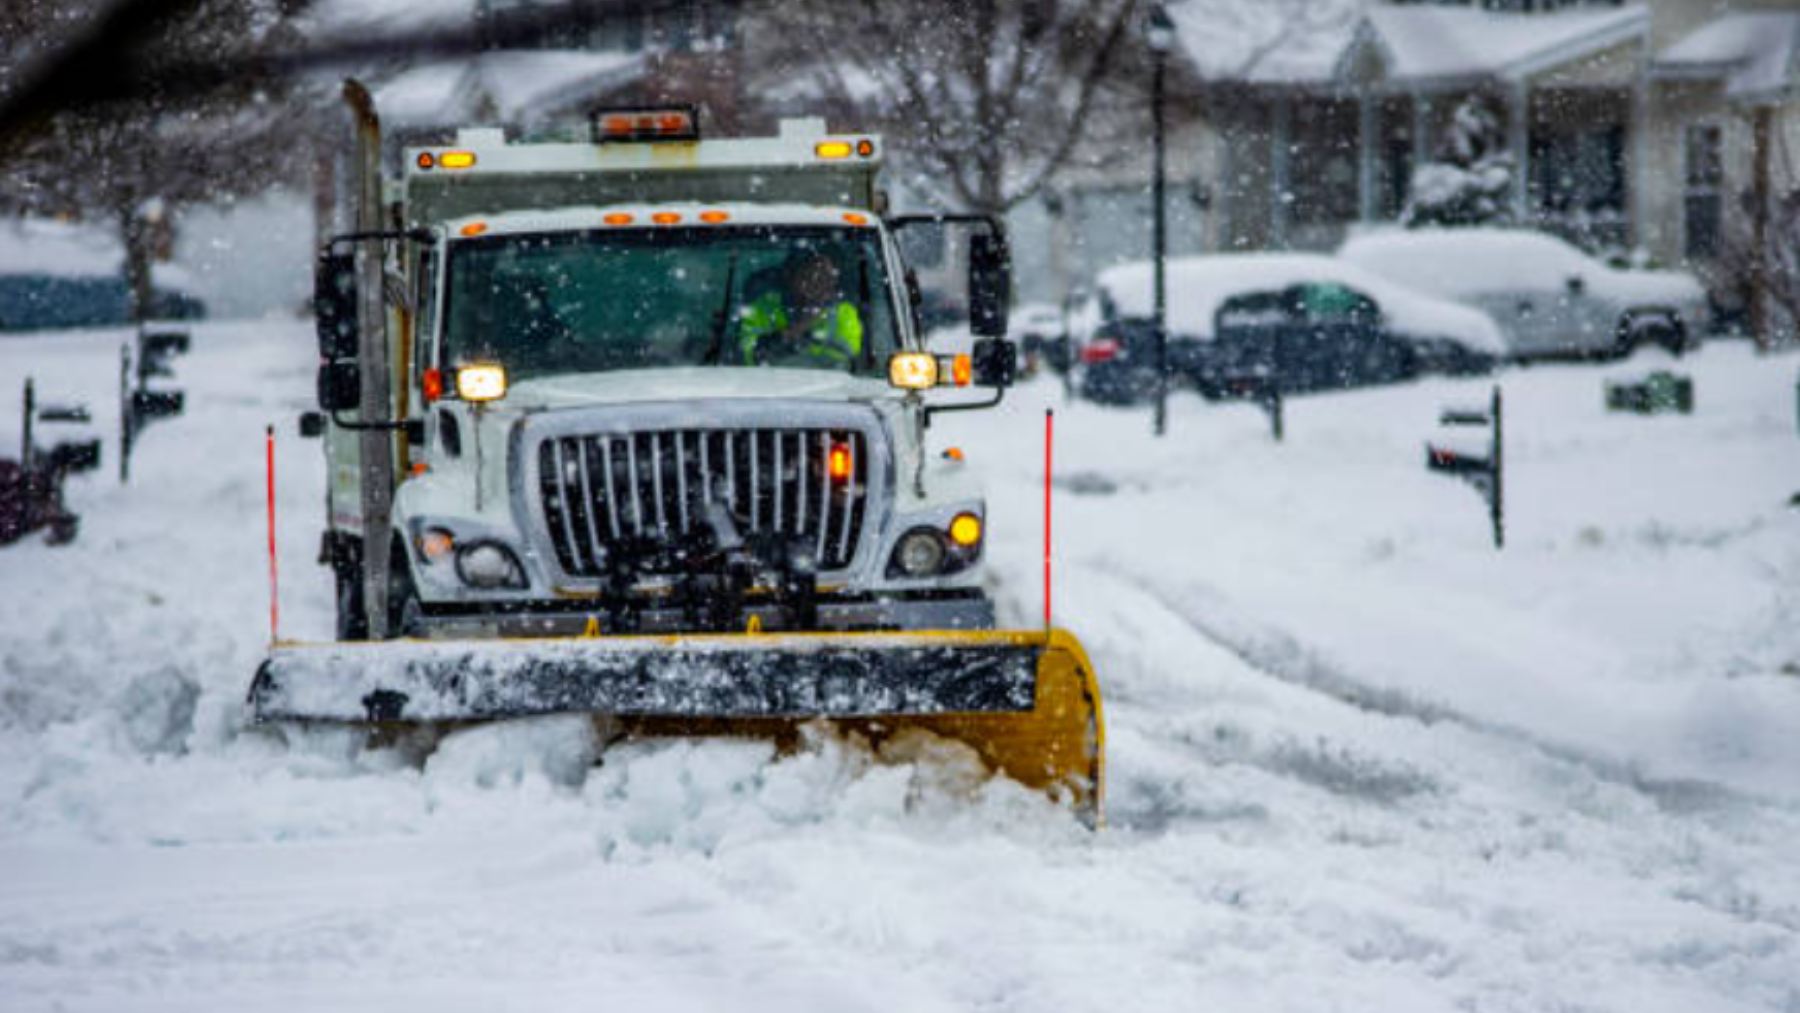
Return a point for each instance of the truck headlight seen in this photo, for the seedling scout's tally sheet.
(920, 553)
(489, 565)
(481, 383)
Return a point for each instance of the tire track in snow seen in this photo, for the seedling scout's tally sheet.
(1282, 656)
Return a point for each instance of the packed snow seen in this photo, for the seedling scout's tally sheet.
(1358, 759)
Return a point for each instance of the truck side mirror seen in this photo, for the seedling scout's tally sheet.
(312, 425)
(340, 385)
(994, 362)
(990, 284)
(334, 305)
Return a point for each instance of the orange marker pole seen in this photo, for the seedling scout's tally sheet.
(274, 586)
(1049, 441)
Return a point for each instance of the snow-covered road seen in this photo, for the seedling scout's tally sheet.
(1358, 760)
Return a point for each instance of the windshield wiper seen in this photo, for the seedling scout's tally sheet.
(724, 316)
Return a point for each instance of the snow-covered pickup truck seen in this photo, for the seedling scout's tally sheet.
(1548, 297)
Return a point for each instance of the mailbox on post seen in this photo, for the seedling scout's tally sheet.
(1485, 473)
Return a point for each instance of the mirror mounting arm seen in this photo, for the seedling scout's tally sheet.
(964, 406)
(413, 428)
(416, 235)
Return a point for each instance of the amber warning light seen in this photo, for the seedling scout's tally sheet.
(674, 124)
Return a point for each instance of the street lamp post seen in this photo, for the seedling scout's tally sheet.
(1159, 35)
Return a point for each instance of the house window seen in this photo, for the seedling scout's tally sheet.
(1705, 176)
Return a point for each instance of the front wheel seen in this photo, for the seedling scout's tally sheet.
(405, 614)
(352, 617)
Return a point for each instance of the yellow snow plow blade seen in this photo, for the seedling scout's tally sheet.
(1026, 702)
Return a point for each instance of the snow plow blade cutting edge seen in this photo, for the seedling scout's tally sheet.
(1026, 702)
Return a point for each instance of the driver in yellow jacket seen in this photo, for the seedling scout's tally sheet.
(807, 324)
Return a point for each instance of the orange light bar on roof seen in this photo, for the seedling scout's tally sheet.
(617, 218)
(474, 228)
(457, 159)
(865, 147)
(832, 149)
(426, 160)
(665, 218)
(856, 219)
(714, 217)
(673, 124)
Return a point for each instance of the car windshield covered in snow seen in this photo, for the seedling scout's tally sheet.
(593, 301)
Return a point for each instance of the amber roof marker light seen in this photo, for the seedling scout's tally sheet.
(645, 124)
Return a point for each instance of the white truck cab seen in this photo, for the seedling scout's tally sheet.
(649, 384)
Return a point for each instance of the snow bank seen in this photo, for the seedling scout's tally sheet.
(1197, 286)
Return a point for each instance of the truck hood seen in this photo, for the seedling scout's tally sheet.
(578, 390)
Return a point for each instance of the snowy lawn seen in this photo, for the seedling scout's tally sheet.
(1358, 759)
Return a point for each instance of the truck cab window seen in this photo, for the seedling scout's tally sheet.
(789, 296)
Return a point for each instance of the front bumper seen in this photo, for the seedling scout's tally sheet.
(968, 610)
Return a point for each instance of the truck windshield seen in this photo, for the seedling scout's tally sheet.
(578, 302)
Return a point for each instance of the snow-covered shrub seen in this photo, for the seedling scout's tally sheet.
(1471, 181)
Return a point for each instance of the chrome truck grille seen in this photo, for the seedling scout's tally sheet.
(656, 495)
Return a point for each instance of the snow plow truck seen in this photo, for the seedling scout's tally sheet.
(637, 427)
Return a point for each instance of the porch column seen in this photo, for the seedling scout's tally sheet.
(1223, 196)
(1761, 320)
(1365, 155)
(1421, 130)
(1279, 181)
(1519, 132)
(1639, 169)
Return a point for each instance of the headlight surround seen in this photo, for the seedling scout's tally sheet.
(930, 551)
(489, 566)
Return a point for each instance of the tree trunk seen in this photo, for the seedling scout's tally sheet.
(135, 234)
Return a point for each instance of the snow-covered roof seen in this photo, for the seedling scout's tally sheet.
(1468, 263)
(40, 246)
(1429, 42)
(1418, 44)
(349, 18)
(1198, 286)
(513, 85)
(1754, 52)
(1261, 41)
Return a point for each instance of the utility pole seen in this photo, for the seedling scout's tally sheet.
(1159, 34)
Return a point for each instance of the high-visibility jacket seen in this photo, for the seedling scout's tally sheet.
(834, 338)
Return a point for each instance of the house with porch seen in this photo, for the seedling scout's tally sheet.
(1661, 126)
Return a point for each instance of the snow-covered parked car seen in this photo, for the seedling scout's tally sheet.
(1116, 347)
(1548, 297)
(61, 274)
